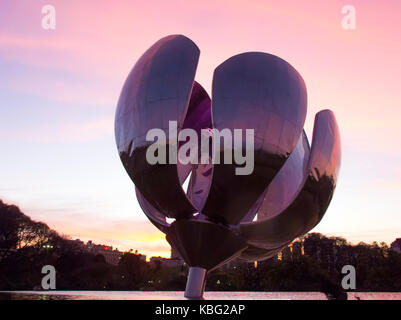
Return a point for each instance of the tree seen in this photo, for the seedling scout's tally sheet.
(10, 220)
(133, 269)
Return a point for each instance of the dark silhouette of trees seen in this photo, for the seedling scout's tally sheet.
(133, 270)
(10, 223)
(313, 263)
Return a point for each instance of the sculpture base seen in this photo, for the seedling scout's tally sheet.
(195, 283)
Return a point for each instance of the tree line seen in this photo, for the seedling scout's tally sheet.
(312, 263)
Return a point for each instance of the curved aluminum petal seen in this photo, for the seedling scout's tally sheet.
(158, 219)
(262, 92)
(325, 158)
(198, 117)
(199, 113)
(250, 216)
(285, 185)
(199, 185)
(288, 181)
(156, 91)
(312, 201)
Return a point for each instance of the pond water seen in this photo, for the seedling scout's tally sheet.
(179, 295)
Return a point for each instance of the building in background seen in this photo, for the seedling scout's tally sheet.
(111, 256)
(174, 261)
(166, 262)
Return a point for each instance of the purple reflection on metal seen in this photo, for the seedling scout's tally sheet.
(198, 117)
(311, 202)
(280, 193)
(157, 91)
(259, 91)
(291, 185)
(288, 181)
(157, 218)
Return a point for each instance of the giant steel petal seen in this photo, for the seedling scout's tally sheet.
(158, 219)
(199, 185)
(288, 181)
(262, 92)
(156, 91)
(285, 185)
(312, 201)
(198, 117)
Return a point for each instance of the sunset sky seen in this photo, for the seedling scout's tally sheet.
(59, 89)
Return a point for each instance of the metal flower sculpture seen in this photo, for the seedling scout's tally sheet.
(222, 215)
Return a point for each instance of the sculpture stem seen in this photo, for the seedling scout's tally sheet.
(195, 283)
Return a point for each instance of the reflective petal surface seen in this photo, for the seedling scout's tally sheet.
(223, 215)
(157, 91)
(309, 206)
(262, 92)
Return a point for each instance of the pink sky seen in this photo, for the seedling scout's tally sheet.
(59, 91)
